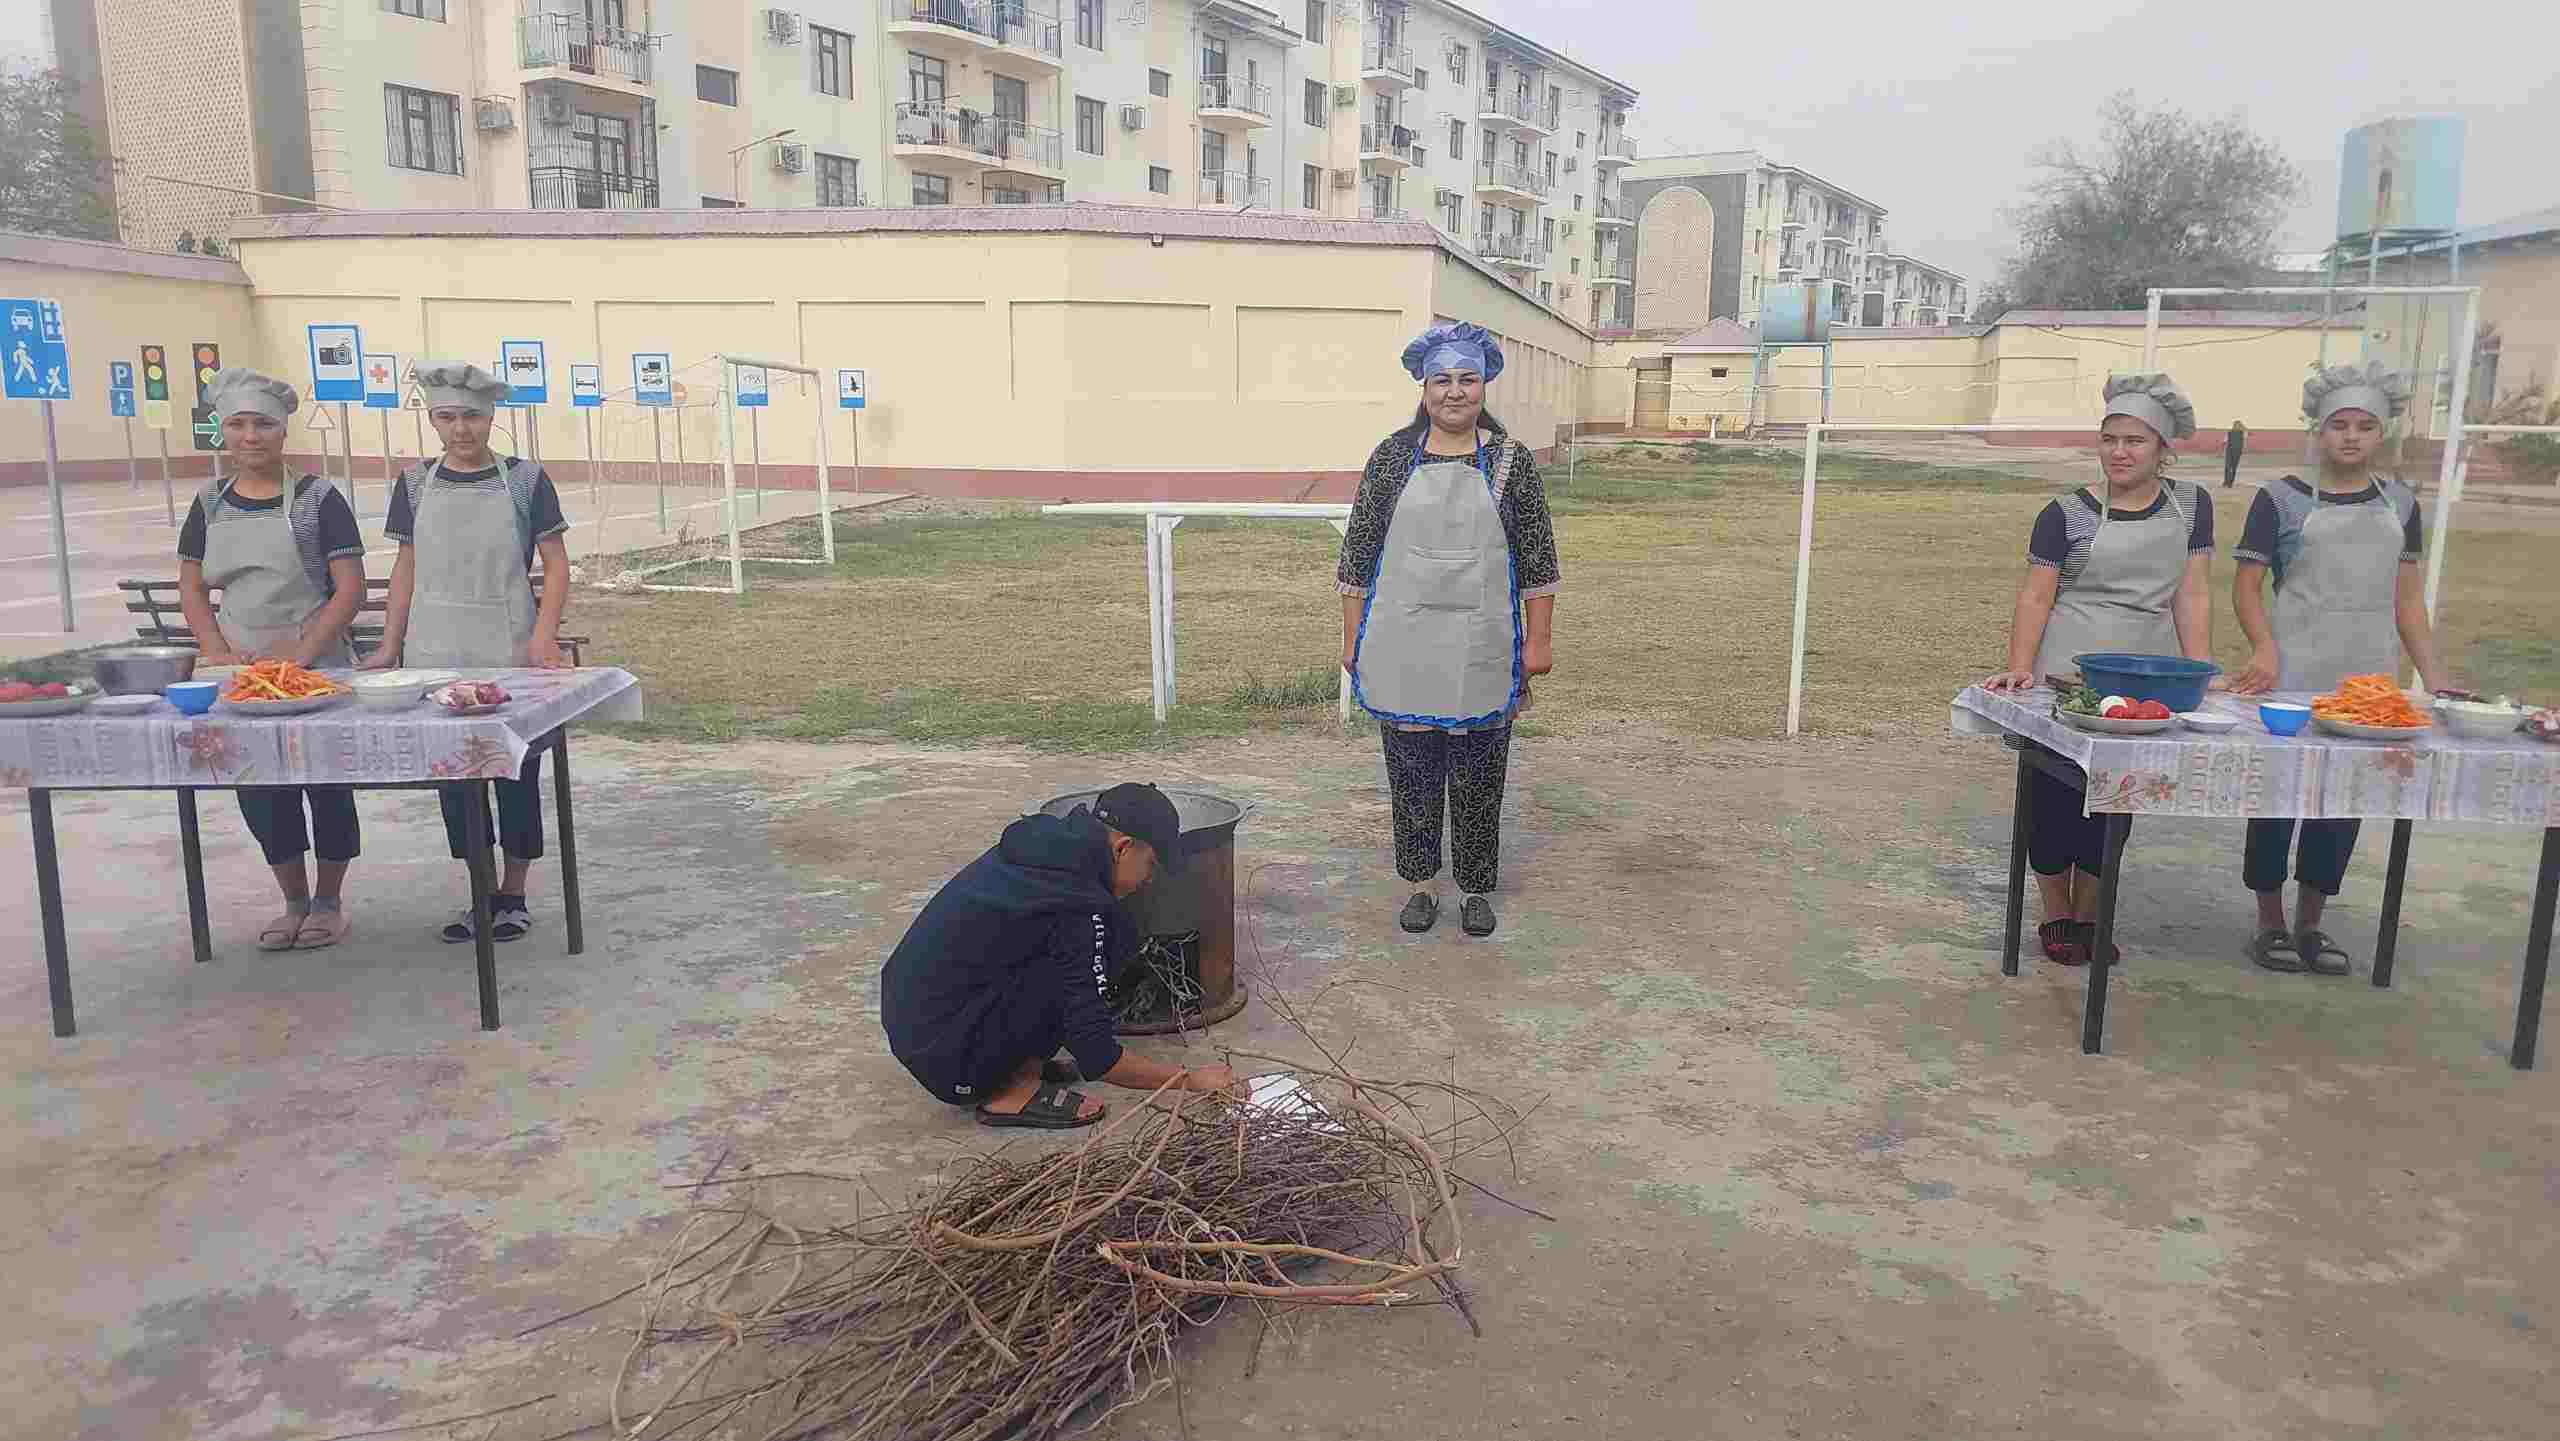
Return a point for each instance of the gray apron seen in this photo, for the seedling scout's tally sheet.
(1439, 643)
(267, 594)
(2121, 600)
(2337, 613)
(469, 602)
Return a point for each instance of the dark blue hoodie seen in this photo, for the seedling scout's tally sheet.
(1032, 920)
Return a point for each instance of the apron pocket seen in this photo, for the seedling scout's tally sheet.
(1444, 579)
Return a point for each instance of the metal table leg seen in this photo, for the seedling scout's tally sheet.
(2093, 1016)
(57, 957)
(2017, 871)
(568, 842)
(2387, 944)
(475, 846)
(2537, 954)
(191, 847)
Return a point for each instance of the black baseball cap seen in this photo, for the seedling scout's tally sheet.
(1144, 813)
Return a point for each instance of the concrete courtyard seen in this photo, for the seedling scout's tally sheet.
(1816, 1169)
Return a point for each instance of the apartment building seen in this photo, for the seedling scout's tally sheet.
(1352, 109)
(1712, 233)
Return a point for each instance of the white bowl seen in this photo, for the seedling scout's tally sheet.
(2212, 722)
(395, 689)
(2480, 720)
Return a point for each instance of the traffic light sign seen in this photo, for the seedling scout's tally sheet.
(208, 429)
(155, 387)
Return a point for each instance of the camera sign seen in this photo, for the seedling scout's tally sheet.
(337, 362)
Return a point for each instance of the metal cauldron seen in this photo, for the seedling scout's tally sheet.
(1201, 898)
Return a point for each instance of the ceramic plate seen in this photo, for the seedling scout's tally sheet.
(2211, 722)
(51, 705)
(283, 707)
(2104, 726)
(2368, 733)
(125, 704)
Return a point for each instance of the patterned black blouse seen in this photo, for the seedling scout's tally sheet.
(1518, 495)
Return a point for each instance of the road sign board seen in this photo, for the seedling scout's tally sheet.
(337, 362)
(586, 386)
(320, 419)
(851, 387)
(206, 357)
(653, 379)
(382, 382)
(752, 385)
(119, 375)
(33, 359)
(528, 379)
(416, 399)
(120, 404)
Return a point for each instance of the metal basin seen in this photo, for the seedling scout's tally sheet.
(1202, 898)
(144, 669)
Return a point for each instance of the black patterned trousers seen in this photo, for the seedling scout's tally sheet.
(1429, 771)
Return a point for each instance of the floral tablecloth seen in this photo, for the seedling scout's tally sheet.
(2250, 772)
(347, 744)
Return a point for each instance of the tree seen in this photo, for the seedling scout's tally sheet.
(51, 176)
(2164, 199)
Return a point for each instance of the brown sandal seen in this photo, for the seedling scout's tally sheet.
(280, 933)
(321, 930)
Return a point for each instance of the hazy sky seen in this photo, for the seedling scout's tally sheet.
(1930, 110)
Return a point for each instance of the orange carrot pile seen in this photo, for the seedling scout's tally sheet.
(278, 680)
(2369, 700)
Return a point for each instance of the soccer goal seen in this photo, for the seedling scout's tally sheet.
(716, 509)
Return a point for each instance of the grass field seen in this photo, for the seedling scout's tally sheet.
(1675, 611)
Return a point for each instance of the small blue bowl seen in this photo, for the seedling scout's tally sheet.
(2284, 718)
(192, 697)
(2172, 680)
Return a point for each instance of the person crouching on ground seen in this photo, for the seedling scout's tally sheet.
(470, 524)
(1013, 958)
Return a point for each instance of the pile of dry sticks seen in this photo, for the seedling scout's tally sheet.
(1031, 1296)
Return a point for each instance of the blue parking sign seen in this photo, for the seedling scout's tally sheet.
(119, 375)
(35, 364)
(120, 404)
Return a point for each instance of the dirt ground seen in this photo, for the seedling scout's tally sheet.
(1817, 1169)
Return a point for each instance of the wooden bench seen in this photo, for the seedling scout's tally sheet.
(165, 621)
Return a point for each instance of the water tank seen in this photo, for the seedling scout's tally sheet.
(2400, 175)
(1792, 314)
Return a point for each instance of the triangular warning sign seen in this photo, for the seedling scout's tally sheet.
(417, 399)
(320, 418)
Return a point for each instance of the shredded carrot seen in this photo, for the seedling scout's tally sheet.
(278, 680)
(2372, 700)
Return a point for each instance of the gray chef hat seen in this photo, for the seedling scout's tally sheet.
(236, 390)
(2154, 399)
(460, 385)
(2381, 393)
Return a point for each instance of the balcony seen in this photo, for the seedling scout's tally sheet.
(1615, 150)
(1512, 112)
(1222, 189)
(989, 31)
(1505, 181)
(1384, 212)
(1512, 252)
(1228, 103)
(1389, 148)
(1605, 216)
(1615, 270)
(980, 142)
(575, 187)
(571, 47)
(1387, 65)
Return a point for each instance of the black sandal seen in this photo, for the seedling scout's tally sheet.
(1420, 913)
(2315, 948)
(1062, 1073)
(2084, 935)
(2273, 949)
(1051, 1108)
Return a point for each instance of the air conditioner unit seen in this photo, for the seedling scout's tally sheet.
(782, 27)
(1133, 117)
(790, 158)
(558, 109)
(492, 113)
(1346, 180)
(1345, 96)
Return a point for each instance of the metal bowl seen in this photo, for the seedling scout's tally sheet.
(144, 669)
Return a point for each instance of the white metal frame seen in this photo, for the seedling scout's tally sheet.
(729, 477)
(1162, 517)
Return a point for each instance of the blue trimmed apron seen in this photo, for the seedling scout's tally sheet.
(1440, 640)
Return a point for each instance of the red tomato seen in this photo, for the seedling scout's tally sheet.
(16, 690)
(2154, 710)
(53, 690)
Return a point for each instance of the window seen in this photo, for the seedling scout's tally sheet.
(1452, 212)
(932, 189)
(839, 180)
(928, 79)
(1089, 24)
(831, 51)
(1159, 180)
(1311, 188)
(1551, 167)
(1547, 233)
(716, 85)
(1546, 292)
(1581, 140)
(1421, 78)
(1315, 103)
(1458, 63)
(1718, 372)
(1457, 140)
(425, 129)
(1575, 268)
(1213, 56)
(1577, 204)
(714, 202)
(1159, 82)
(1012, 99)
(1088, 125)
(1003, 195)
(415, 9)
(1315, 22)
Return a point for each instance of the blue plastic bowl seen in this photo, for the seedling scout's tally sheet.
(2174, 681)
(2283, 717)
(192, 697)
